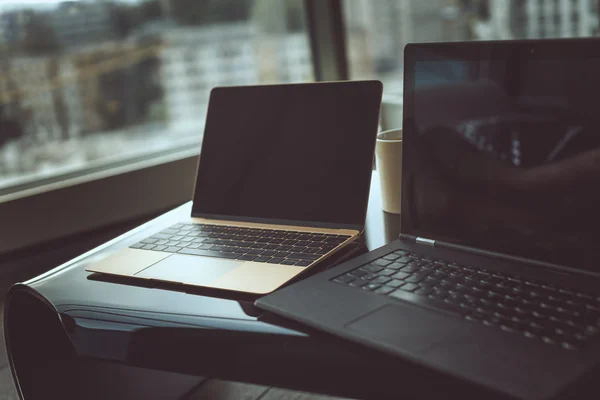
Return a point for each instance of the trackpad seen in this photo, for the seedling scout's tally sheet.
(405, 328)
(193, 270)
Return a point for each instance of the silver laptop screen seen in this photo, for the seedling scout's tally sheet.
(299, 152)
(502, 148)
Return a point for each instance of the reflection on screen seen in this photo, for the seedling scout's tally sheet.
(502, 148)
(293, 152)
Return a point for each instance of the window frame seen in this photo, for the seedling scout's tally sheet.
(81, 203)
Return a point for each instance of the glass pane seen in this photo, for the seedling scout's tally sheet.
(86, 84)
(378, 30)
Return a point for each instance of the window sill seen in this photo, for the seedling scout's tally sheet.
(97, 199)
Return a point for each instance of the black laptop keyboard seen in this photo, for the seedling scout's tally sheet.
(552, 314)
(250, 244)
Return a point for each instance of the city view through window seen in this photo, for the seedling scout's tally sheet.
(377, 32)
(92, 82)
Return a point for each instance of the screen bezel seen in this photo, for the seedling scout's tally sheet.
(373, 88)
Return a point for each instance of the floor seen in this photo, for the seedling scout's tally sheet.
(200, 388)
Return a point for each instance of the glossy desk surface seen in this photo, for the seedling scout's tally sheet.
(196, 332)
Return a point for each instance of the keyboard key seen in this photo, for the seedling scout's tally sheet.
(408, 268)
(569, 346)
(359, 282)
(372, 268)
(395, 283)
(400, 275)
(303, 263)
(159, 248)
(288, 262)
(282, 254)
(371, 286)
(391, 257)
(262, 259)
(395, 266)
(548, 340)
(381, 280)
(424, 290)
(509, 327)
(304, 256)
(310, 250)
(359, 273)
(137, 245)
(381, 262)
(438, 295)
(413, 279)
(409, 287)
(298, 249)
(248, 257)
(384, 290)
(387, 272)
(172, 249)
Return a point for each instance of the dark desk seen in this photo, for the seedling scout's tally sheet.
(59, 322)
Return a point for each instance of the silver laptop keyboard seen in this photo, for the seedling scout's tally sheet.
(249, 244)
(550, 313)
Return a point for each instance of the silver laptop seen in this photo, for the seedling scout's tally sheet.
(283, 183)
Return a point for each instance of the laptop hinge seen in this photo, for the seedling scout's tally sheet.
(429, 242)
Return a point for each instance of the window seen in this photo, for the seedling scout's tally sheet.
(129, 91)
(377, 31)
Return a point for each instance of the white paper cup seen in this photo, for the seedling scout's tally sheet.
(389, 166)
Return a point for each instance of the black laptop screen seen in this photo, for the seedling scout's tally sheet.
(289, 152)
(502, 148)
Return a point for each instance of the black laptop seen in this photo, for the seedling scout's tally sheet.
(495, 278)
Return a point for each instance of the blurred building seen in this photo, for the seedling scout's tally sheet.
(195, 59)
(555, 18)
(44, 96)
(294, 60)
(78, 23)
(382, 28)
(12, 25)
(35, 98)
